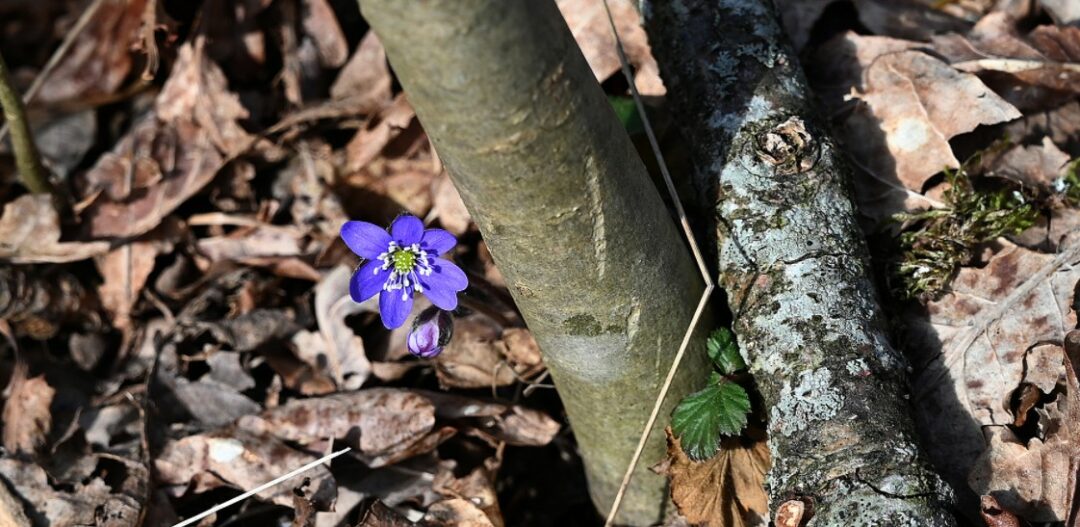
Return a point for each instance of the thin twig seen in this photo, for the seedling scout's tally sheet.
(261, 488)
(27, 158)
(698, 258)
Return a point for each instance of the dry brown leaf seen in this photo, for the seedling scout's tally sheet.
(27, 418)
(125, 269)
(477, 487)
(589, 24)
(101, 57)
(456, 512)
(84, 501)
(375, 421)
(169, 155)
(240, 459)
(1062, 11)
(11, 510)
(994, 515)
(727, 489)
(256, 243)
(976, 342)
(522, 352)
(369, 142)
(206, 399)
(1035, 167)
(337, 350)
(512, 424)
(407, 484)
(448, 207)
(321, 25)
(30, 233)
(474, 357)
(379, 515)
(1032, 480)
(912, 104)
(1038, 480)
(366, 77)
(1035, 71)
(911, 20)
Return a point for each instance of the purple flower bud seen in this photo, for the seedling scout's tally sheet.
(430, 333)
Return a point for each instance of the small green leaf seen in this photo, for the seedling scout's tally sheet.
(700, 419)
(626, 109)
(724, 352)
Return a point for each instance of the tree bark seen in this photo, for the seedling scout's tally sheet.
(591, 255)
(795, 268)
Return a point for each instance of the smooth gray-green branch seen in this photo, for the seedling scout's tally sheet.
(27, 158)
(591, 255)
(795, 267)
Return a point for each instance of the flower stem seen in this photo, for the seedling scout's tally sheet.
(27, 158)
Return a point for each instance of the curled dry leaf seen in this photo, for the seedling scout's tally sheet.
(522, 351)
(366, 77)
(238, 458)
(917, 20)
(207, 400)
(374, 421)
(994, 515)
(456, 512)
(477, 487)
(369, 142)
(912, 104)
(589, 24)
(474, 357)
(321, 25)
(11, 510)
(125, 269)
(30, 233)
(727, 489)
(27, 418)
(100, 58)
(448, 206)
(170, 154)
(1036, 167)
(86, 501)
(379, 515)
(341, 352)
(1036, 71)
(1062, 11)
(975, 345)
(1039, 480)
(513, 424)
(283, 249)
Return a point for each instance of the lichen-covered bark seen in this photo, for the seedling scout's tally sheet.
(591, 256)
(795, 268)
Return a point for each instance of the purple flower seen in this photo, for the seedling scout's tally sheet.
(431, 332)
(401, 262)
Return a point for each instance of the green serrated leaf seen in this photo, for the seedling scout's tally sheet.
(724, 351)
(702, 417)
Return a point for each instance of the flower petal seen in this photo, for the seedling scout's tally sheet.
(437, 241)
(394, 309)
(449, 275)
(365, 239)
(367, 281)
(442, 286)
(407, 229)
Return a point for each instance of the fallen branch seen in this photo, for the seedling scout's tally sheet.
(588, 249)
(795, 268)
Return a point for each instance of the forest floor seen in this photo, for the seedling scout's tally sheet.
(181, 329)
